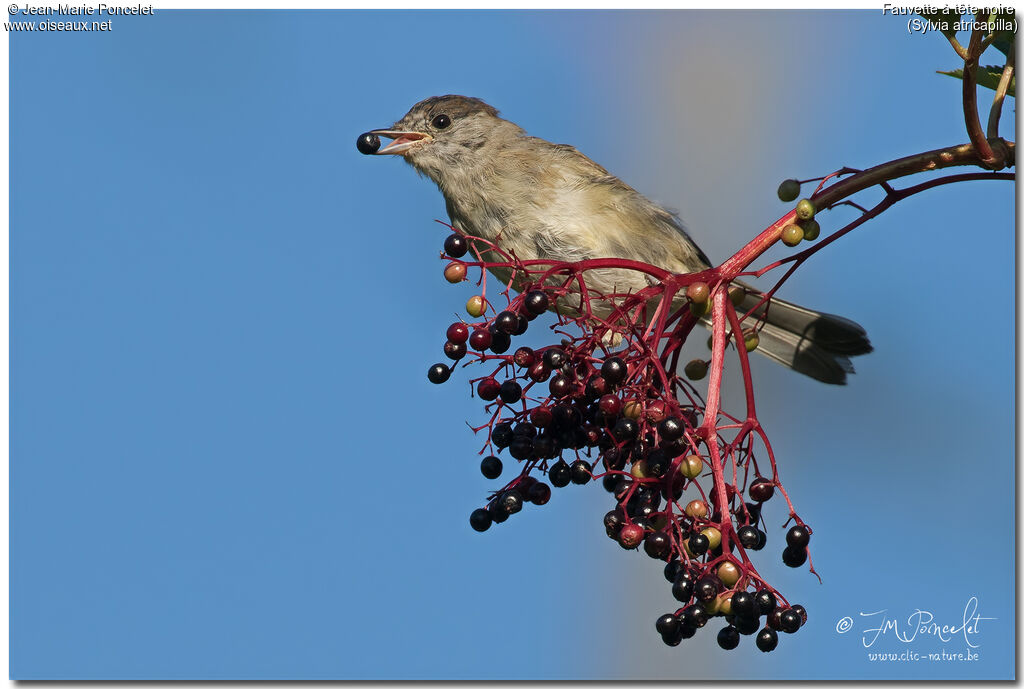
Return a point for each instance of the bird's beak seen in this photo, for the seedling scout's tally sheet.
(403, 141)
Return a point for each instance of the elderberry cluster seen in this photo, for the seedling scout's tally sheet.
(706, 589)
(742, 610)
(578, 411)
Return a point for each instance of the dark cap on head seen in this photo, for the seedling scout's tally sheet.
(454, 106)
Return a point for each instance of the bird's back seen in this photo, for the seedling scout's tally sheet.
(569, 209)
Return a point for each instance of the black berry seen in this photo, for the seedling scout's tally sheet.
(521, 446)
(794, 557)
(657, 545)
(767, 640)
(501, 434)
(613, 522)
(480, 520)
(789, 622)
(699, 544)
(729, 638)
(507, 322)
(555, 358)
(490, 467)
(746, 625)
(536, 302)
(512, 501)
(580, 472)
(497, 511)
(744, 605)
(500, 342)
(625, 429)
(658, 462)
(438, 373)
(539, 493)
(511, 392)
(682, 590)
(671, 429)
(671, 570)
(766, 602)
(706, 589)
(747, 536)
(559, 474)
(667, 624)
(456, 245)
(798, 537)
(368, 143)
(695, 616)
(613, 370)
(454, 351)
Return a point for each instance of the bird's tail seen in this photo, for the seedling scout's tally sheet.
(815, 344)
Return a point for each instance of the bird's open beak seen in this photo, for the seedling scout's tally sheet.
(403, 141)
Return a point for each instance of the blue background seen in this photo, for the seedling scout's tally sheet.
(226, 461)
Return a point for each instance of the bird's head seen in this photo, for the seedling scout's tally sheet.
(445, 133)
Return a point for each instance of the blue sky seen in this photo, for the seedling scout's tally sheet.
(226, 461)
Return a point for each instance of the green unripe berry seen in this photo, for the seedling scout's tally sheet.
(789, 190)
(696, 369)
(811, 229)
(805, 210)
(476, 306)
(751, 340)
(700, 309)
(691, 466)
(714, 537)
(639, 469)
(792, 235)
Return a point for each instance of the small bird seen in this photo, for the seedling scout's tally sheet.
(548, 201)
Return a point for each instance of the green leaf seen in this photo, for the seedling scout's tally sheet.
(987, 77)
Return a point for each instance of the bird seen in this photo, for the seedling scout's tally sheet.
(546, 201)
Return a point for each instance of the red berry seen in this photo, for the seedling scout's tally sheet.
(630, 536)
(541, 417)
(560, 386)
(458, 333)
(698, 292)
(539, 372)
(524, 357)
(610, 405)
(762, 489)
(488, 389)
(455, 272)
(480, 340)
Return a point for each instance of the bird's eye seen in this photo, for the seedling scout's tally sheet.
(442, 121)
